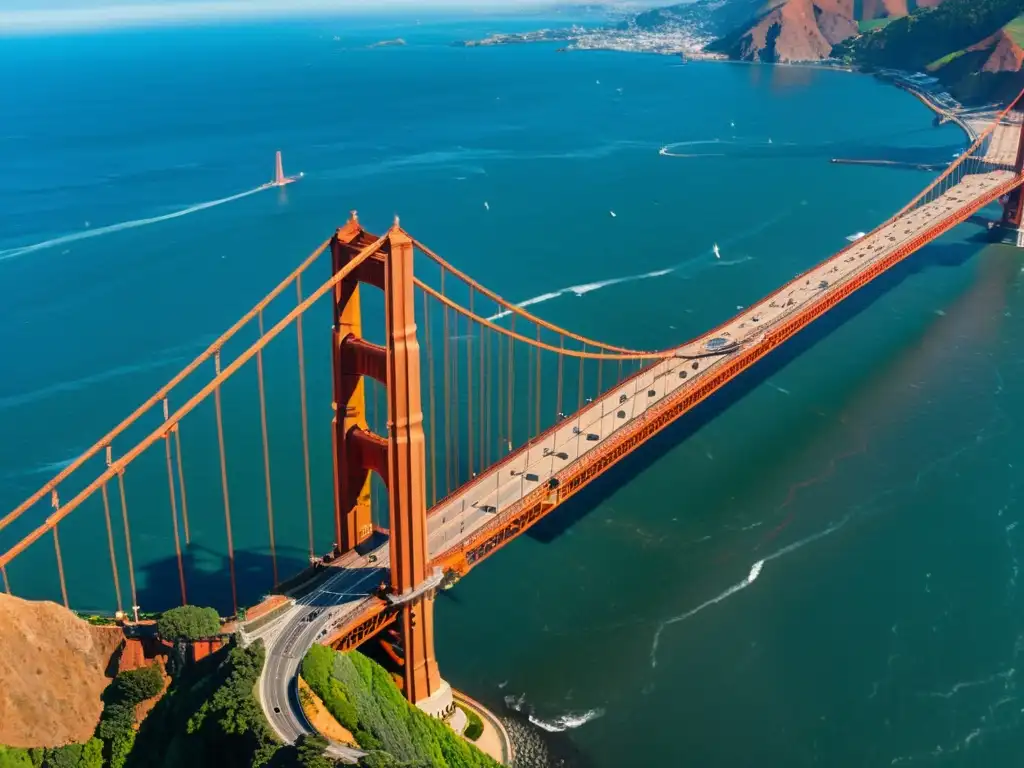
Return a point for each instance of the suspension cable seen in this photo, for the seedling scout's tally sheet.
(117, 467)
(510, 307)
(629, 355)
(161, 393)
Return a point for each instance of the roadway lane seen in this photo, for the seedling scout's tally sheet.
(347, 593)
(502, 487)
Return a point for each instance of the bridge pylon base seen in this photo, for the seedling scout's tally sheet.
(1011, 235)
(440, 704)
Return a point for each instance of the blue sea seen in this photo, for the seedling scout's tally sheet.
(872, 465)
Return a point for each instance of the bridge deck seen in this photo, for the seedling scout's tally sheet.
(342, 608)
(503, 486)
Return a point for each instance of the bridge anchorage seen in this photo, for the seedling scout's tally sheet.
(497, 419)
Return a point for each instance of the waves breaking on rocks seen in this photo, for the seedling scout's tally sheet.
(543, 743)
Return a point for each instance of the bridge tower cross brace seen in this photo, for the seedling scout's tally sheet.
(399, 459)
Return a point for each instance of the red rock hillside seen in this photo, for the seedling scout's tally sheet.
(53, 669)
(806, 30)
(1005, 54)
(797, 30)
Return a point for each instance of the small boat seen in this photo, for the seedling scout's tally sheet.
(718, 254)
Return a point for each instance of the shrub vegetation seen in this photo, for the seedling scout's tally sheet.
(362, 697)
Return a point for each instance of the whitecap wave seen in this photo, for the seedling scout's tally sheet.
(567, 721)
(755, 571)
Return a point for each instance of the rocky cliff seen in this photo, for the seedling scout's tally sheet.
(1002, 52)
(53, 668)
(807, 30)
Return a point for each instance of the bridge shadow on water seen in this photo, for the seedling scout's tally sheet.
(207, 581)
(936, 255)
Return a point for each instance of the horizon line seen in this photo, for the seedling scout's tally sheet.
(55, 21)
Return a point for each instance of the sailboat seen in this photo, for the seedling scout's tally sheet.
(718, 254)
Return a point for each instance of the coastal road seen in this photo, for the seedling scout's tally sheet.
(345, 594)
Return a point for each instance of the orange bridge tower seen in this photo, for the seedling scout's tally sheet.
(399, 458)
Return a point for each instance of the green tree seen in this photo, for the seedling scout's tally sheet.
(311, 751)
(11, 757)
(92, 754)
(136, 685)
(189, 622)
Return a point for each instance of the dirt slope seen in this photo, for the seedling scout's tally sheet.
(1005, 54)
(52, 671)
(806, 30)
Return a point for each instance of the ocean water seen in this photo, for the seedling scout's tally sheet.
(818, 568)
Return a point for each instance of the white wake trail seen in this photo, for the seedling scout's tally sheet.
(755, 571)
(13, 253)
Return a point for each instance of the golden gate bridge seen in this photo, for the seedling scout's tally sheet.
(489, 418)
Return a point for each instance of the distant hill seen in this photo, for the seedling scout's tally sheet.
(807, 30)
(973, 46)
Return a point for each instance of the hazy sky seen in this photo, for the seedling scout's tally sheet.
(28, 16)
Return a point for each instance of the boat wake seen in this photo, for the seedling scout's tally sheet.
(755, 571)
(669, 150)
(684, 269)
(13, 253)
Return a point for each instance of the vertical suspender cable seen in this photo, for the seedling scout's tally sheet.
(619, 379)
(60, 568)
(501, 393)
(266, 455)
(433, 397)
(579, 398)
(530, 399)
(448, 463)
(127, 532)
(305, 421)
(110, 545)
(540, 396)
(7, 584)
(561, 364)
(485, 402)
(224, 486)
(174, 507)
(181, 483)
(600, 369)
(511, 385)
(470, 337)
(455, 398)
